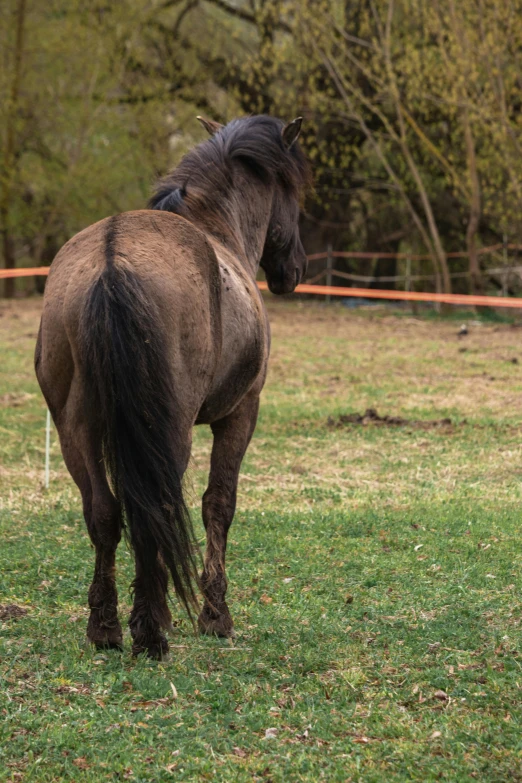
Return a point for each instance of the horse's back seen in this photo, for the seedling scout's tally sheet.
(158, 246)
(178, 272)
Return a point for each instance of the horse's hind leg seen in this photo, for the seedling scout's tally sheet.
(104, 629)
(81, 449)
(231, 438)
(150, 616)
(103, 518)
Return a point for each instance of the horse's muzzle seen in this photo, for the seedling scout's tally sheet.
(281, 285)
(284, 284)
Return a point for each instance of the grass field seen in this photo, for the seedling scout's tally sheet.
(374, 576)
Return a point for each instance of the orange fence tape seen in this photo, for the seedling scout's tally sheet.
(362, 293)
(23, 272)
(409, 296)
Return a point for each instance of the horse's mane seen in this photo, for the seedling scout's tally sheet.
(205, 175)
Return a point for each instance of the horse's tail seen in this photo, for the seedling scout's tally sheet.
(131, 400)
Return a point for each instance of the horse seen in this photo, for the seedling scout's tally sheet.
(152, 323)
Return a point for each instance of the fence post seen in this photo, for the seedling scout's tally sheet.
(329, 264)
(407, 282)
(506, 273)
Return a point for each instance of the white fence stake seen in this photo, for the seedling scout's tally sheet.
(47, 447)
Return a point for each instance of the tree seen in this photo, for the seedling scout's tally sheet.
(11, 146)
(74, 146)
(412, 115)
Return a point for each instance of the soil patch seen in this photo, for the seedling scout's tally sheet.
(11, 612)
(371, 417)
(14, 399)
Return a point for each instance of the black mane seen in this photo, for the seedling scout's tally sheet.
(206, 173)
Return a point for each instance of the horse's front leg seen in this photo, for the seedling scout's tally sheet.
(231, 438)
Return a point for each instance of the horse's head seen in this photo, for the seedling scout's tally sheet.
(244, 186)
(268, 148)
(283, 260)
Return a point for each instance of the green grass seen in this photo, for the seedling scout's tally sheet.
(374, 578)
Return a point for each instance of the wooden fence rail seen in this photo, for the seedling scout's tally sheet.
(411, 256)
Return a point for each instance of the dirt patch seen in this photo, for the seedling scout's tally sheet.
(79, 688)
(11, 612)
(371, 417)
(14, 399)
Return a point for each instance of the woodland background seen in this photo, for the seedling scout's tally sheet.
(412, 112)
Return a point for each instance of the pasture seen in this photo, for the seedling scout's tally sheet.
(374, 575)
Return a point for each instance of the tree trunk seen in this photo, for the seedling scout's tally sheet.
(439, 252)
(9, 263)
(475, 276)
(9, 162)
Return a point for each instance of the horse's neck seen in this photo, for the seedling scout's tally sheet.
(241, 222)
(251, 208)
(254, 207)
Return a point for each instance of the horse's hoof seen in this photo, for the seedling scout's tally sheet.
(216, 626)
(156, 649)
(104, 638)
(108, 644)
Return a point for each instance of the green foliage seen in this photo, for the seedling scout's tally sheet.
(83, 147)
(412, 120)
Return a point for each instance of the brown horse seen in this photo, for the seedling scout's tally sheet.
(152, 323)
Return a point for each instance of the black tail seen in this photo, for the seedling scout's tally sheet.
(131, 397)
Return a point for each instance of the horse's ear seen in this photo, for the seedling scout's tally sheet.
(210, 126)
(291, 131)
